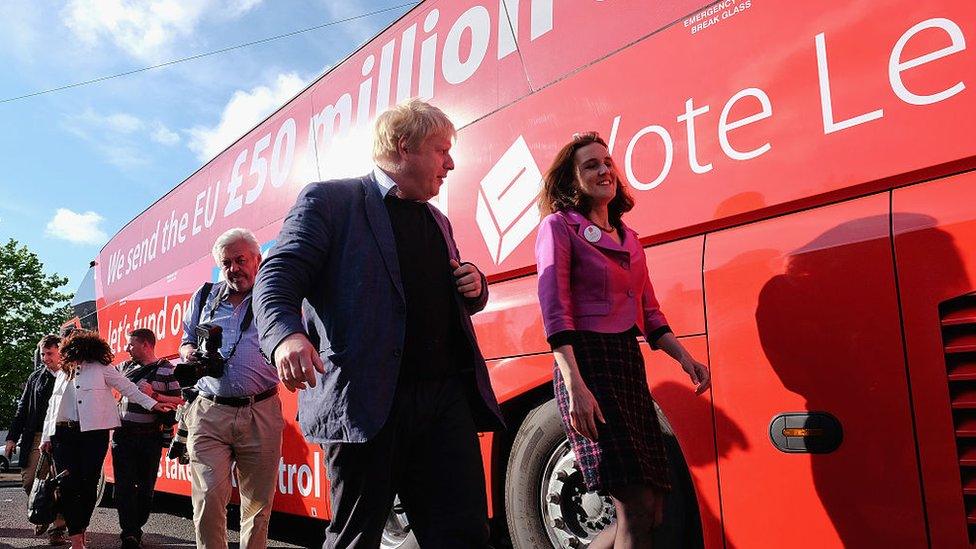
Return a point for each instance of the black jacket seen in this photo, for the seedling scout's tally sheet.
(31, 409)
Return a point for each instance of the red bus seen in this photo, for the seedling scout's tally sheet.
(805, 185)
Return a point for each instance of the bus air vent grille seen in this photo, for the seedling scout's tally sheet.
(958, 318)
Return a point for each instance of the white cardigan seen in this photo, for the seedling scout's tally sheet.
(97, 407)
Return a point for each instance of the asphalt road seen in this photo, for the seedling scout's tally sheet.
(171, 524)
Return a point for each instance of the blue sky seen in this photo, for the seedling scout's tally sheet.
(78, 164)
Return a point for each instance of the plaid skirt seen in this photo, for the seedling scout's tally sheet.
(630, 449)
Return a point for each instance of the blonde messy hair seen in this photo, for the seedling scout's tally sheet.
(413, 120)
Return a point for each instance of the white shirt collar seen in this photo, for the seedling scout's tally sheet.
(384, 181)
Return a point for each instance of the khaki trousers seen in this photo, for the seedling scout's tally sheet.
(28, 473)
(218, 436)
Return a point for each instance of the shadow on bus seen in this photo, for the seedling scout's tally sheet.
(829, 327)
(685, 523)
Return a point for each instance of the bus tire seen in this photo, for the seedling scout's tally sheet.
(539, 435)
(539, 456)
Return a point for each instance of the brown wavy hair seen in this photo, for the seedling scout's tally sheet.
(561, 189)
(84, 346)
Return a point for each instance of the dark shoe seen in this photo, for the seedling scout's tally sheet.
(131, 542)
(58, 537)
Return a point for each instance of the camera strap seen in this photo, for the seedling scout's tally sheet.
(245, 322)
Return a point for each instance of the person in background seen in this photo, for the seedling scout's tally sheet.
(65, 330)
(596, 298)
(80, 414)
(236, 417)
(137, 443)
(28, 423)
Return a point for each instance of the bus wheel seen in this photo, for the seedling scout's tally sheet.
(547, 504)
(396, 533)
(546, 501)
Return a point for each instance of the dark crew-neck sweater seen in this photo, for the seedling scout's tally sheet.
(434, 341)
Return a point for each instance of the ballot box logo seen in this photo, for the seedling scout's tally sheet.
(507, 212)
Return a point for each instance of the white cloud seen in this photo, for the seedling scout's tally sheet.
(145, 30)
(19, 29)
(244, 110)
(115, 136)
(163, 135)
(120, 137)
(80, 228)
(89, 120)
(123, 123)
(237, 8)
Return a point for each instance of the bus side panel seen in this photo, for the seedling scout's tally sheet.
(763, 65)
(511, 323)
(690, 416)
(935, 235)
(594, 29)
(675, 272)
(803, 316)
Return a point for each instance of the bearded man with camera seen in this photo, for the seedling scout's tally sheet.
(236, 416)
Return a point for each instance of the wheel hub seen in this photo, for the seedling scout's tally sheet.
(572, 516)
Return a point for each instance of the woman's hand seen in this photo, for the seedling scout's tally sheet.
(697, 372)
(584, 411)
(163, 407)
(166, 399)
(45, 447)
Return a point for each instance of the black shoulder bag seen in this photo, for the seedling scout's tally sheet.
(42, 504)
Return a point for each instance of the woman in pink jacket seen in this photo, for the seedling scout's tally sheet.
(596, 299)
(80, 414)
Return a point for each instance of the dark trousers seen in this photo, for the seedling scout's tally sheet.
(428, 453)
(82, 455)
(135, 458)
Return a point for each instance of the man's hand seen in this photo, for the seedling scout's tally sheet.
(468, 279)
(8, 449)
(297, 361)
(163, 407)
(45, 447)
(186, 352)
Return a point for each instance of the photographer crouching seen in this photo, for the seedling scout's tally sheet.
(236, 414)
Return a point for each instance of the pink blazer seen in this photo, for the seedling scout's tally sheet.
(597, 286)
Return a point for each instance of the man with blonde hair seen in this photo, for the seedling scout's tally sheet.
(236, 415)
(397, 389)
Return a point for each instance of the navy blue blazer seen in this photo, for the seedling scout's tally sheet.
(337, 250)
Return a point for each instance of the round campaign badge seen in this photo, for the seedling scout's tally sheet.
(592, 233)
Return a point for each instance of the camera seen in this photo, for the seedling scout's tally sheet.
(209, 340)
(206, 360)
